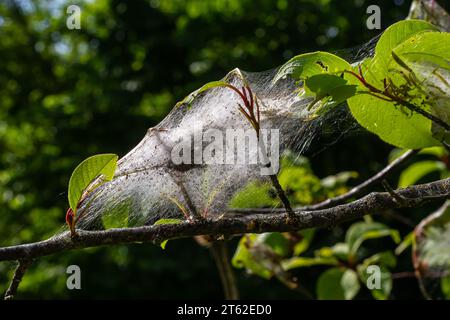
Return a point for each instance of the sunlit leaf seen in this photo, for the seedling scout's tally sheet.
(323, 84)
(393, 124)
(101, 165)
(309, 64)
(328, 91)
(393, 36)
(191, 97)
(429, 64)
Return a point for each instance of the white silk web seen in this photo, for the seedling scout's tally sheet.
(148, 185)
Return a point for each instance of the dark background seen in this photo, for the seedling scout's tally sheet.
(68, 94)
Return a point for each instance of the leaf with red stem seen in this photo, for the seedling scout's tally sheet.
(257, 112)
(361, 73)
(242, 110)
(245, 94)
(251, 96)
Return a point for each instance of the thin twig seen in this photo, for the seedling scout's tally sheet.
(352, 193)
(366, 185)
(404, 274)
(398, 217)
(22, 266)
(281, 194)
(392, 192)
(263, 151)
(219, 251)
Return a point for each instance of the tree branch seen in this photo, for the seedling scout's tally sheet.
(257, 223)
(22, 266)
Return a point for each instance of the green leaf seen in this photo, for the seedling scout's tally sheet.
(243, 258)
(337, 284)
(417, 171)
(328, 91)
(445, 286)
(301, 262)
(391, 38)
(423, 63)
(430, 65)
(309, 64)
(163, 244)
(361, 231)
(322, 84)
(103, 165)
(319, 71)
(339, 250)
(393, 124)
(304, 187)
(385, 258)
(342, 93)
(307, 236)
(405, 244)
(260, 255)
(438, 152)
(167, 221)
(276, 241)
(350, 284)
(421, 49)
(191, 97)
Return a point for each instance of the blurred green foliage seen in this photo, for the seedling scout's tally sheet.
(67, 94)
(351, 265)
